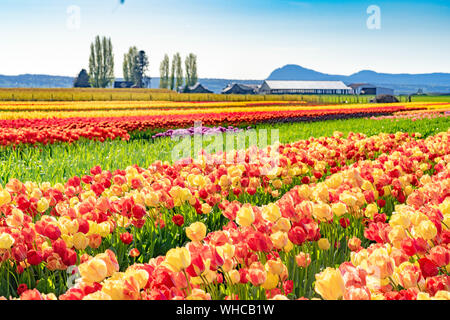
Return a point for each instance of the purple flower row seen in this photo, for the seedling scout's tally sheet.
(198, 130)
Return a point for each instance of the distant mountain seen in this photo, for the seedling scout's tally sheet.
(401, 83)
(35, 81)
(295, 72)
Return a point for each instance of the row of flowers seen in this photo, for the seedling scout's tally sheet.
(294, 109)
(200, 130)
(270, 251)
(45, 131)
(23, 106)
(414, 116)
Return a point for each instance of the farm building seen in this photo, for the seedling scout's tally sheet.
(197, 88)
(304, 87)
(369, 89)
(240, 88)
(123, 84)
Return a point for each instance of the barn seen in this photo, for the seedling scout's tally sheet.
(123, 84)
(370, 89)
(240, 88)
(197, 88)
(304, 87)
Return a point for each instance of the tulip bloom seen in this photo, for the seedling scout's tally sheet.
(197, 267)
(245, 216)
(178, 259)
(80, 241)
(94, 270)
(196, 231)
(329, 284)
(303, 259)
(6, 241)
(323, 244)
(134, 253)
(126, 238)
(257, 276)
(354, 244)
(178, 219)
(407, 275)
(271, 212)
(322, 212)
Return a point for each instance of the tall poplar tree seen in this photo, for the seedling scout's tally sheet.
(140, 69)
(101, 63)
(164, 70)
(191, 69)
(172, 74)
(128, 64)
(178, 70)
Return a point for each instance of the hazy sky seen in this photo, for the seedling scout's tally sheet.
(241, 39)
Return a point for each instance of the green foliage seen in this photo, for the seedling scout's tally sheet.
(101, 63)
(426, 98)
(191, 69)
(140, 69)
(82, 80)
(128, 63)
(177, 69)
(164, 74)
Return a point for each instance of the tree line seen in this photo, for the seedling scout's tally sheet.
(171, 77)
(101, 66)
(135, 68)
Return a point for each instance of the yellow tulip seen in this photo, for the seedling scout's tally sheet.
(196, 231)
(80, 241)
(322, 212)
(178, 259)
(206, 208)
(271, 212)
(234, 276)
(271, 281)
(245, 216)
(97, 296)
(339, 209)
(323, 244)
(151, 199)
(42, 205)
(94, 270)
(5, 197)
(426, 230)
(274, 266)
(114, 289)
(371, 210)
(329, 284)
(279, 239)
(6, 241)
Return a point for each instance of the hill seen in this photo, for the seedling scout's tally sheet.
(35, 81)
(401, 83)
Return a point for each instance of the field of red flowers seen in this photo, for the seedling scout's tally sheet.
(352, 218)
(60, 128)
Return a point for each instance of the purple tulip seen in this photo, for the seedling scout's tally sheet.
(198, 130)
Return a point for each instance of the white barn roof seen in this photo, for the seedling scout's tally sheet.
(306, 85)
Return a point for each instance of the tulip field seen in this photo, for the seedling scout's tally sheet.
(93, 206)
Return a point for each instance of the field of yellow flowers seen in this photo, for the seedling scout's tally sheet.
(351, 208)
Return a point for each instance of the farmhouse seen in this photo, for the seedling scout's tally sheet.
(240, 88)
(197, 88)
(369, 89)
(123, 84)
(304, 87)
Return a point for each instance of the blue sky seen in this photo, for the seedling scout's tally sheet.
(242, 39)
